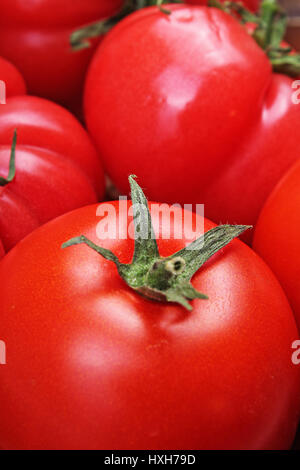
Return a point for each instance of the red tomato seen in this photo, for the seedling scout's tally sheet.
(93, 365)
(277, 235)
(14, 82)
(189, 103)
(57, 167)
(1, 250)
(34, 35)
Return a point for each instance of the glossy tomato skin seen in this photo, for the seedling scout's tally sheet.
(17, 218)
(199, 108)
(34, 35)
(57, 167)
(101, 367)
(14, 82)
(277, 235)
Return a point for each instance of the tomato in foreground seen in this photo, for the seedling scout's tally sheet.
(34, 35)
(277, 235)
(91, 364)
(57, 168)
(191, 93)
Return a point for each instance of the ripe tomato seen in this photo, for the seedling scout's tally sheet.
(197, 108)
(1, 250)
(57, 167)
(34, 35)
(93, 365)
(277, 235)
(14, 82)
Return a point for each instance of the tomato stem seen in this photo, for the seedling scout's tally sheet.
(12, 163)
(271, 23)
(270, 28)
(80, 38)
(149, 274)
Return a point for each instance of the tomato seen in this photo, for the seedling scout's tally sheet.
(34, 35)
(188, 100)
(14, 82)
(94, 365)
(277, 235)
(1, 250)
(57, 167)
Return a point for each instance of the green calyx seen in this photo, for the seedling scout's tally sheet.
(269, 28)
(155, 277)
(12, 163)
(80, 39)
(270, 25)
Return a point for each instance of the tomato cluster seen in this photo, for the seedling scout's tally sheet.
(203, 105)
(35, 37)
(57, 168)
(125, 327)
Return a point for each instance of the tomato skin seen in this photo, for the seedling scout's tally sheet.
(15, 208)
(35, 36)
(277, 235)
(15, 84)
(101, 367)
(57, 167)
(1, 250)
(177, 77)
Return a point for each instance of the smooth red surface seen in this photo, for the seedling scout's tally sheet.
(34, 35)
(92, 365)
(277, 237)
(14, 82)
(188, 102)
(57, 167)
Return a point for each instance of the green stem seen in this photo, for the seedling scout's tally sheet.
(271, 23)
(157, 278)
(80, 39)
(12, 163)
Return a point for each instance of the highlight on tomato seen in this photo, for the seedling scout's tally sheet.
(196, 97)
(51, 168)
(124, 343)
(277, 235)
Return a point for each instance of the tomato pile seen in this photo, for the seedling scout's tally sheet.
(148, 325)
(35, 37)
